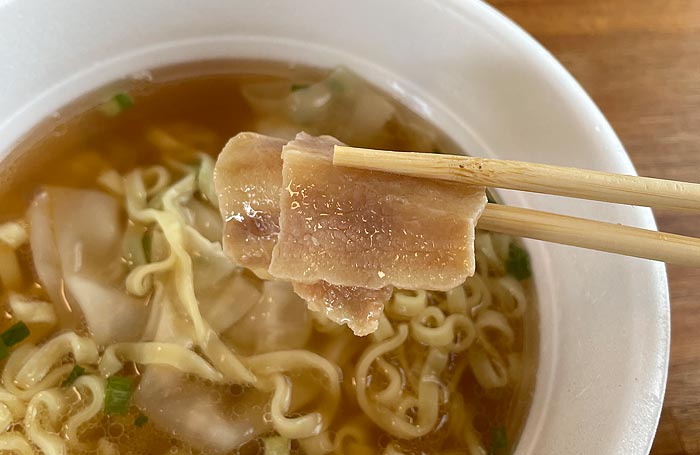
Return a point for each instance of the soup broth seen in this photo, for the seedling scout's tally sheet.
(141, 340)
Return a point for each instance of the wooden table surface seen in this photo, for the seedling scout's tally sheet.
(640, 62)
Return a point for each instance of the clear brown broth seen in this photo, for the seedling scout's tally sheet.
(74, 146)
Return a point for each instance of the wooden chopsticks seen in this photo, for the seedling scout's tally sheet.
(533, 177)
(594, 235)
(562, 181)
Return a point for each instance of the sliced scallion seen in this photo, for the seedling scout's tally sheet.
(13, 234)
(117, 104)
(15, 334)
(499, 441)
(518, 262)
(277, 445)
(4, 351)
(75, 373)
(147, 243)
(123, 100)
(140, 420)
(118, 394)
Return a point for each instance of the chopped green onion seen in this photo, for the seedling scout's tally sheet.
(15, 334)
(276, 445)
(118, 394)
(10, 337)
(117, 104)
(499, 441)
(296, 87)
(75, 373)
(4, 351)
(518, 262)
(147, 243)
(140, 420)
(13, 234)
(124, 100)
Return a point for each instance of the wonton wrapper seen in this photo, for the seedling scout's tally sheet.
(76, 239)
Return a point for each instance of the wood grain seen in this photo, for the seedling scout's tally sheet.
(640, 62)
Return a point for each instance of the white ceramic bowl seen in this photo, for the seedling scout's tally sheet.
(493, 89)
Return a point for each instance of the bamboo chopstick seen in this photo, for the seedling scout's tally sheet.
(595, 235)
(533, 177)
(562, 181)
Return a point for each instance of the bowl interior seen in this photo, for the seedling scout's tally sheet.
(604, 319)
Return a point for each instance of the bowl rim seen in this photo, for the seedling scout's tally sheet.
(624, 164)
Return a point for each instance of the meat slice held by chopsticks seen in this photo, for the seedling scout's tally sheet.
(370, 229)
(359, 308)
(344, 237)
(247, 179)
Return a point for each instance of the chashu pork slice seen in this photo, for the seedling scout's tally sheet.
(248, 179)
(359, 308)
(369, 229)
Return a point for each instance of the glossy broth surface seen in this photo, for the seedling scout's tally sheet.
(199, 107)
